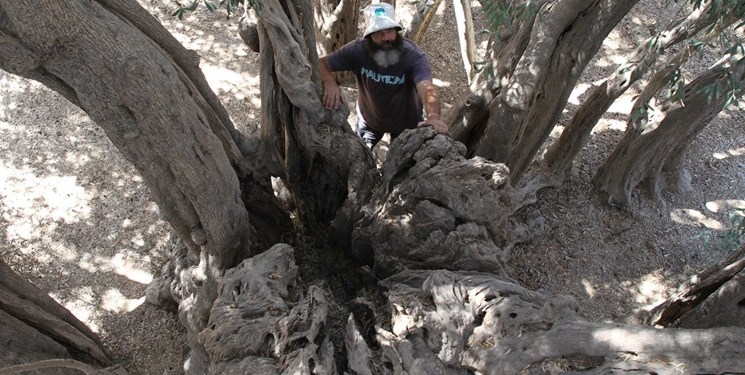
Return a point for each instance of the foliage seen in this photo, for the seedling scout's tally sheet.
(501, 18)
(231, 6)
(731, 239)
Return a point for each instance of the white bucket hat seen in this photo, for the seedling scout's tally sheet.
(380, 16)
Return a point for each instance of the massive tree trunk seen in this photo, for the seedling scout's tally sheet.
(652, 146)
(323, 162)
(431, 210)
(438, 224)
(524, 100)
(115, 61)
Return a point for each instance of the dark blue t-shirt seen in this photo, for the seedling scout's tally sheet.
(387, 97)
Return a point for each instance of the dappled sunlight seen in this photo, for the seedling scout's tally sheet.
(623, 106)
(699, 219)
(616, 43)
(114, 301)
(695, 218)
(736, 206)
(579, 90)
(76, 218)
(642, 292)
(83, 306)
(440, 83)
(124, 263)
(28, 200)
(589, 288)
(739, 151)
(242, 86)
(614, 336)
(224, 59)
(649, 289)
(607, 125)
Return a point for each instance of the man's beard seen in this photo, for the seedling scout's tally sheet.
(387, 54)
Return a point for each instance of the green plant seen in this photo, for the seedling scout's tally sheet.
(231, 6)
(731, 239)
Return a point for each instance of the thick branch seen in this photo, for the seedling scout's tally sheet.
(559, 156)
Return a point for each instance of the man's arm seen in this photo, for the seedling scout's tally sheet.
(428, 93)
(331, 91)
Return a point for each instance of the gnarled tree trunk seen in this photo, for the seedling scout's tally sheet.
(530, 89)
(650, 144)
(115, 61)
(559, 156)
(445, 310)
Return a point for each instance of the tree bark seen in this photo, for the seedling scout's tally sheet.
(425, 12)
(36, 327)
(647, 146)
(337, 23)
(713, 298)
(326, 167)
(118, 64)
(144, 106)
(466, 38)
(559, 156)
(437, 209)
(533, 91)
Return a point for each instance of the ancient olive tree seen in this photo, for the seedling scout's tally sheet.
(538, 51)
(437, 222)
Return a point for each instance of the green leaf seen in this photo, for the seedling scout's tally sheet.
(193, 6)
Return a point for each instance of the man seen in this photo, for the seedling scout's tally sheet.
(394, 79)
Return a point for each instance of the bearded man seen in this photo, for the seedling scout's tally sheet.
(394, 79)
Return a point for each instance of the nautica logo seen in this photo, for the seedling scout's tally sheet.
(377, 77)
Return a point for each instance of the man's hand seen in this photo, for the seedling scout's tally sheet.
(332, 97)
(431, 100)
(331, 91)
(437, 124)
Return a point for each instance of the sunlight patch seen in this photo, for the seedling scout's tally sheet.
(440, 83)
(651, 289)
(31, 200)
(732, 152)
(605, 125)
(124, 266)
(578, 91)
(222, 79)
(695, 218)
(589, 288)
(735, 205)
(82, 307)
(113, 300)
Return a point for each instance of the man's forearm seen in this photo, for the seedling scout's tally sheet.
(430, 98)
(326, 75)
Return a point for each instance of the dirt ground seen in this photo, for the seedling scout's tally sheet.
(78, 222)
